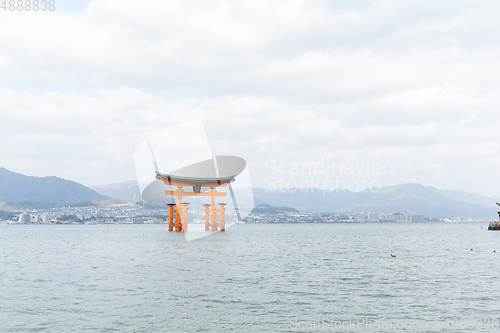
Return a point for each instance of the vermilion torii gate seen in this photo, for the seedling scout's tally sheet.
(197, 184)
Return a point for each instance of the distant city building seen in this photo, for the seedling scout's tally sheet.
(153, 221)
(387, 217)
(359, 217)
(46, 218)
(398, 217)
(248, 219)
(373, 217)
(418, 218)
(25, 218)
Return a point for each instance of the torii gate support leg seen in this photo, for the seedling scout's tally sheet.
(207, 217)
(171, 217)
(213, 216)
(178, 222)
(222, 217)
(185, 217)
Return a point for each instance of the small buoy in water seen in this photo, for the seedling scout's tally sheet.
(393, 255)
(494, 250)
(471, 249)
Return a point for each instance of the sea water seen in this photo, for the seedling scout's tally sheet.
(250, 278)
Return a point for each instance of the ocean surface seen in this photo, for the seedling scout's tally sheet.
(251, 278)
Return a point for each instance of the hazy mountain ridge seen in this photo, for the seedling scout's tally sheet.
(126, 190)
(16, 187)
(405, 198)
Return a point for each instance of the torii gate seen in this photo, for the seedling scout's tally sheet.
(196, 183)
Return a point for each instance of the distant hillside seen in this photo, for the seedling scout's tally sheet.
(15, 187)
(7, 215)
(126, 190)
(405, 198)
(266, 209)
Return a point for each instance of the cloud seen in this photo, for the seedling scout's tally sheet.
(410, 83)
(305, 50)
(92, 139)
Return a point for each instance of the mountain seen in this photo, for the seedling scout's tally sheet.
(405, 198)
(126, 190)
(15, 187)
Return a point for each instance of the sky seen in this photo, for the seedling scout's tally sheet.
(328, 94)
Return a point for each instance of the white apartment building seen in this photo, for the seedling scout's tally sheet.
(387, 218)
(46, 218)
(398, 217)
(418, 218)
(359, 217)
(25, 218)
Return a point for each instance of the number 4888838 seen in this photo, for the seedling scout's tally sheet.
(28, 5)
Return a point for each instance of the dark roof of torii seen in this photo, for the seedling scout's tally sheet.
(194, 180)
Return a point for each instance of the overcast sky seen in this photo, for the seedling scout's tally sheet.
(385, 91)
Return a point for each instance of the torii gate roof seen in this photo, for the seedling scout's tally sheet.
(187, 181)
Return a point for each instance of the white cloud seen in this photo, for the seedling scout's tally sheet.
(289, 49)
(412, 83)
